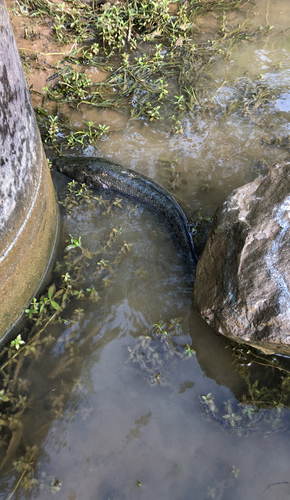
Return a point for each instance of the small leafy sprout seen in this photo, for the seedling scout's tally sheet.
(117, 202)
(48, 300)
(53, 129)
(66, 278)
(200, 220)
(208, 400)
(51, 293)
(158, 56)
(72, 186)
(103, 129)
(177, 128)
(33, 308)
(160, 328)
(211, 493)
(93, 294)
(75, 243)
(95, 48)
(235, 471)
(3, 397)
(180, 102)
(88, 135)
(175, 323)
(152, 112)
(103, 263)
(16, 343)
(58, 266)
(79, 294)
(232, 418)
(249, 411)
(188, 351)
(117, 231)
(100, 200)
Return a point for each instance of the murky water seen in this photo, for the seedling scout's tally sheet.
(118, 416)
(115, 415)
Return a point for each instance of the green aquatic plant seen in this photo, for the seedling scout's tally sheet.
(77, 194)
(25, 467)
(243, 419)
(73, 84)
(103, 263)
(231, 417)
(33, 308)
(159, 328)
(28, 347)
(156, 353)
(250, 96)
(16, 343)
(208, 400)
(56, 129)
(138, 79)
(200, 227)
(195, 226)
(3, 396)
(74, 243)
(52, 301)
(188, 351)
(273, 394)
(88, 136)
(177, 128)
(53, 129)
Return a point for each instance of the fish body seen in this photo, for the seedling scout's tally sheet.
(105, 174)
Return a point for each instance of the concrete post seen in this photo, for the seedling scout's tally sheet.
(28, 209)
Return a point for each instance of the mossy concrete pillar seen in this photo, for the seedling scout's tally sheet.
(28, 210)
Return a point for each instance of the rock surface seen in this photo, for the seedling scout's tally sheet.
(242, 285)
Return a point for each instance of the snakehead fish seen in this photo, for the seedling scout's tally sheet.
(105, 174)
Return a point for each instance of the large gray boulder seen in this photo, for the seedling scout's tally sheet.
(242, 285)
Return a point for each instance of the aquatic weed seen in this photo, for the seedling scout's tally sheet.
(276, 394)
(27, 347)
(155, 354)
(138, 79)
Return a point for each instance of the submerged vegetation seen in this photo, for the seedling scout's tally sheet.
(157, 61)
(259, 410)
(153, 355)
(158, 65)
(276, 374)
(52, 307)
(156, 353)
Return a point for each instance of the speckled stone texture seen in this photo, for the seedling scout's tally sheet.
(242, 285)
(18, 136)
(28, 213)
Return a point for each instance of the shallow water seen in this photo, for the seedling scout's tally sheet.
(112, 426)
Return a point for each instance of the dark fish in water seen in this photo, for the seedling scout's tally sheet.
(105, 174)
